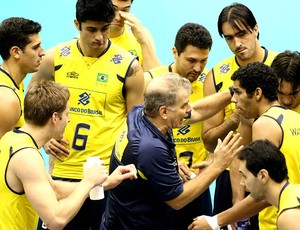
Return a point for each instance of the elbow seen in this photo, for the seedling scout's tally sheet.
(55, 223)
(176, 205)
(209, 143)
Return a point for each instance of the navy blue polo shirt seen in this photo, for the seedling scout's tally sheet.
(140, 204)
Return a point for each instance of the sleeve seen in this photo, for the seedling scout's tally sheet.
(160, 168)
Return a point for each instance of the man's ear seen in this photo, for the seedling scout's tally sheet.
(258, 93)
(54, 118)
(77, 24)
(263, 176)
(174, 52)
(163, 112)
(15, 52)
(256, 30)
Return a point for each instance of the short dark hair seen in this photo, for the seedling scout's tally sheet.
(257, 75)
(15, 31)
(192, 34)
(236, 14)
(263, 154)
(95, 10)
(286, 66)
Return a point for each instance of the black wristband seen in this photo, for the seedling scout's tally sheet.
(231, 90)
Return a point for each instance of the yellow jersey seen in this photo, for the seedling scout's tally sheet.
(289, 197)
(97, 103)
(7, 81)
(16, 212)
(128, 41)
(289, 122)
(223, 71)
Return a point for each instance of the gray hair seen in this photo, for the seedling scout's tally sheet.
(163, 91)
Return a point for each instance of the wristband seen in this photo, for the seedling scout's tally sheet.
(212, 221)
(231, 90)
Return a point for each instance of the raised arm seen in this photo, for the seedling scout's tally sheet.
(215, 127)
(145, 39)
(238, 191)
(134, 85)
(224, 154)
(209, 106)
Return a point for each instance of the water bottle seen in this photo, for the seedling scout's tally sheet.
(96, 193)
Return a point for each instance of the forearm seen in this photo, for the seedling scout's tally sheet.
(238, 191)
(208, 106)
(51, 163)
(66, 208)
(150, 59)
(211, 136)
(223, 156)
(63, 188)
(245, 129)
(244, 209)
(196, 186)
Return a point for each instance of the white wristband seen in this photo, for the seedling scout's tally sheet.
(212, 221)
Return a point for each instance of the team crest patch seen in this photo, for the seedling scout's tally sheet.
(117, 58)
(101, 77)
(65, 51)
(224, 68)
(84, 99)
(184, 130)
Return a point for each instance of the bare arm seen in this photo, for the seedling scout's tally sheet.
(210, 105)
(242, 210)
(238, 191)
(10, 108)
(224, 154)
(216, 127)
(64, 189)
(289, 219)
(267, 128)
(145, 39)
(263, 128)
(245, 129)
(32, 177)
(134, 85)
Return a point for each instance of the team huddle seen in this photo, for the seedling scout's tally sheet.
(164, 133)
